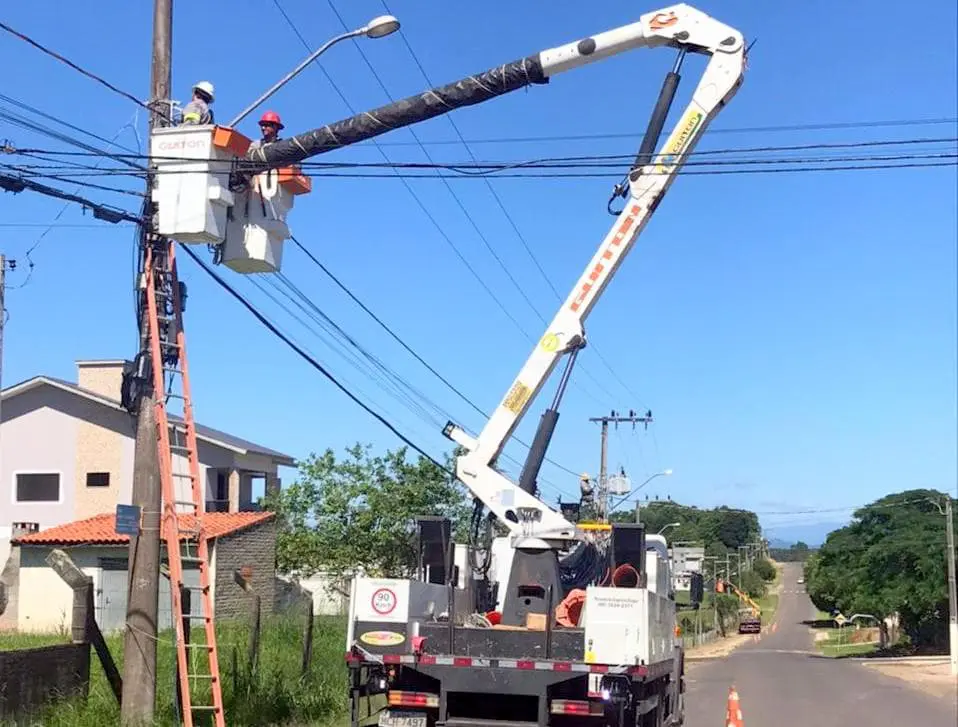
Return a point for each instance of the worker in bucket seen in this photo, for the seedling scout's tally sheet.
(269, 125)
(198, 110)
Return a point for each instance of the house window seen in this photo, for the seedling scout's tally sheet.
(97, 479)
(38, 487)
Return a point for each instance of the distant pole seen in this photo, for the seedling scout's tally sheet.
(602, 496)
(952, 597)
(139, 647)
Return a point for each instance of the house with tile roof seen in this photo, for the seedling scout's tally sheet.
(37, 600)
(66, 454)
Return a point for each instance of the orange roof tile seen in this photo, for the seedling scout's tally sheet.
(101, 529)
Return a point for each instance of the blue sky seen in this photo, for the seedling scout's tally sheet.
(794, 335)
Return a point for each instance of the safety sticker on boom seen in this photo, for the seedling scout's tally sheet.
(679, 139)
(517, 397)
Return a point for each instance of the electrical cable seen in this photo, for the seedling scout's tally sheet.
(817, 126)
(410, 350)
(74, 66)
(582, 161)
(312, 361)
(443, 234)
(505, 212)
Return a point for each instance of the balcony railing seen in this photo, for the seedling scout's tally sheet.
(217, 506)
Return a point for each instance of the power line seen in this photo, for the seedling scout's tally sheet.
(412, 192)
(505, 212)
(459, 203)
(606, 175)
(409, 348)
(312, 361)
(74, 66)
(100, 211)
(544, 162)
(817, 126)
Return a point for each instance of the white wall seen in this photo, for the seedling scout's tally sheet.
(34, 437)
(327, 601)
(45, 601)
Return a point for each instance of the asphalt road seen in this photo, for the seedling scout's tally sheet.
(782, 683)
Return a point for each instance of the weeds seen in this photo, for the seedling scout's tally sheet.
(275, 694)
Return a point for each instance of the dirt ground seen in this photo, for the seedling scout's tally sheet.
(932, 678)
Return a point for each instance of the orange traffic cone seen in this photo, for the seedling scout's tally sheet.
(733, 717)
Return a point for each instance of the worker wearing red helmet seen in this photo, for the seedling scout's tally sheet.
(270, 126)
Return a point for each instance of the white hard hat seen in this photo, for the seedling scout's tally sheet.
(206, 87)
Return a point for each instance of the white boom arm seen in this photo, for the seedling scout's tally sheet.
(681, 27)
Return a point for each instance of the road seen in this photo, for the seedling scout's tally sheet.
(782, 683)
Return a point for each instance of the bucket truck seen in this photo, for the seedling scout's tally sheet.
(549, 623)
(559, 624)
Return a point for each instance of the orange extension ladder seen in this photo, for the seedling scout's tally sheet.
(198, 673)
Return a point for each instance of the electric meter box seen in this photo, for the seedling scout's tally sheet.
(195, 166)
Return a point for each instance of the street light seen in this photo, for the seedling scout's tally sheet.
(378, 27)
(666, 527)
(663, 473)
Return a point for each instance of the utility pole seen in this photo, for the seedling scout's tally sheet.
(3, 315)
(139, 647)
(952, 597)
(602, 496)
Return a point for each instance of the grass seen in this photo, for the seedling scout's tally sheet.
(839, 643)
(275, 694)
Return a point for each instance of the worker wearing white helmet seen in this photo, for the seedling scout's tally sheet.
(198, 110)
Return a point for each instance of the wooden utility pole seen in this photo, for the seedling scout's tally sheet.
(602, 496)
(139, 648)
(952, 596)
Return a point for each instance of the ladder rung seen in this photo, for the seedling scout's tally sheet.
(168, 370)
(171, 395)
(189, 503)
(182, 474)
(191, 645)
(169, 345)
(180, 448)
(204, 708)
(191, 559)
(196, 617)
(198, 589)
(201, 676)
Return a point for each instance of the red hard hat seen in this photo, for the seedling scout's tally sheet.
(271, 117)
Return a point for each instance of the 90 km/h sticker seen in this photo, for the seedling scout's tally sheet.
(384, 601)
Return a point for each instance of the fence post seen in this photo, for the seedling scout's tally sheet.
(84, 628)
(308, 640)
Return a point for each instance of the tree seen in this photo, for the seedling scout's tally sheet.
(890, 559)
(764, 569)
(359, 512)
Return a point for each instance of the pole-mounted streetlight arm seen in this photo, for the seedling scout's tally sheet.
(378, 28)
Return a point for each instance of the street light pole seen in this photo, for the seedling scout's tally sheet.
(663, 473)
(378, 28)
(952, 597)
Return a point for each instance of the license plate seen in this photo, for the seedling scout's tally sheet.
(394, 718)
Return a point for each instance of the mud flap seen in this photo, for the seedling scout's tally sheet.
(677, 686)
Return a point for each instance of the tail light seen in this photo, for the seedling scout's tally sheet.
(576, 707)
(412, 699)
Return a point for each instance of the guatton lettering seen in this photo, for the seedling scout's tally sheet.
(182, 144)
(613, 249)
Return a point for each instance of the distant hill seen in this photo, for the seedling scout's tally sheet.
(812, 534)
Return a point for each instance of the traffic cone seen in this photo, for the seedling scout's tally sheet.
(733, 717)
